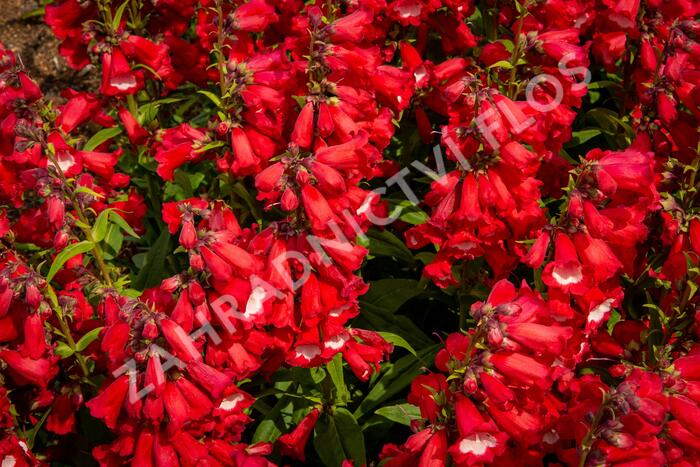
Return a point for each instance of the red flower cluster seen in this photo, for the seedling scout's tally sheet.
(185, 246)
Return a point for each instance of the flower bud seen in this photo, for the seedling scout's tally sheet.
(171, 283)
(197, 294)
(289, 201)
(222, 128)
(188, 235)
(196, 262)
(56, 210)
(494, 335)
(150, 330)
(32, 295)
(60, 239)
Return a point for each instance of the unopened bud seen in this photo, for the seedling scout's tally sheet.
(32, 295)
(289, 201)
(150, 330)
(60, 240)
(196, 262)
(197, 294)
(188, 235)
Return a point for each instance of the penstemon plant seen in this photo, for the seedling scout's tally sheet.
(352, 233)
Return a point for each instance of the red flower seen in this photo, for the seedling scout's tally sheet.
(117, 77)
(293, 444)
(107, 405)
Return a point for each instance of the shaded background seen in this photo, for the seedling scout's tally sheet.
(23, 31)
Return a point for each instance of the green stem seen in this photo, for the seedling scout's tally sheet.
(50, 294)
(96, 250)
(106, 10)
(490, 25)
(219, 49)
(462, 295)
(132, 105)
(517, 49)
(587, 442)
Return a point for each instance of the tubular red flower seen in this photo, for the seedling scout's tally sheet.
(293, 444)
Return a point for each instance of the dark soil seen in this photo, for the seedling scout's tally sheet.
(37, 48)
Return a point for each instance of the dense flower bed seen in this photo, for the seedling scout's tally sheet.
(367, 232)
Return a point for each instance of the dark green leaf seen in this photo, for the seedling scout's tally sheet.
(153, 270)
(396, 379)
(398, 341)
(351, 436)
(390, 294)
(385, 243)
(400, 413)
(380, 319)
(335, 370)
(272, 425)
(338, 438)
(327, 442)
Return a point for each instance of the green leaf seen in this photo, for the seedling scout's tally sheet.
(62, 350)
(409, 212)
(335, 370)
(149, 111)
(327, 442)
(385, 243)
(32, 13)
(118, 15)
(390, 294)
(301, 100)
(209, 146)
(212, 97)
(185, 184)
(67, 253)
(398, 341)
(414, 216)
(400, 413)
(581, 136)
(396, 379)
(100, 137)
(139, 259)
(383, 320)
(339, 437)
(121, 222)
(351, 436)
(505, 64)
(241, 191)
(604, 84)
(153, 270)
(425, 257)
(87, 339)
(615, 317)
(379, 307)
(272, 425)
(99, 230)
(606, 119)
(84, 189)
